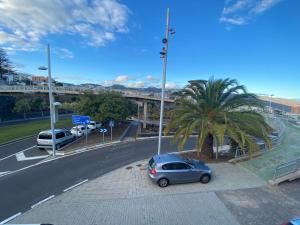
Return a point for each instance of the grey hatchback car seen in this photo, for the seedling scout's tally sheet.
(168, 169)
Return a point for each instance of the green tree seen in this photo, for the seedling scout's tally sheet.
(105, 105)
(5, 64)
(22, 105)
(215, 108)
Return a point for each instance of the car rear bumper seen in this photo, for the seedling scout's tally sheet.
(152, 177)
(44, 146)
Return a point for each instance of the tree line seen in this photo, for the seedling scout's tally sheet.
(98, 106)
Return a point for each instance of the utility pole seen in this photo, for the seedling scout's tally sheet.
(51, 101)
(164, 55)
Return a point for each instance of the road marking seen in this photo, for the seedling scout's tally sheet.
(2, 173)
(56, 153)
(40, 202)
(18, 152)
(69, 188)
(21, 157)
(10, 218)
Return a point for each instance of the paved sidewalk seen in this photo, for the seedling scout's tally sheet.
(126, 196)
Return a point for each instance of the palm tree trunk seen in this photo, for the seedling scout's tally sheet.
(207, 149)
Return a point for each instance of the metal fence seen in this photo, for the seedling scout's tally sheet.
(287, 168)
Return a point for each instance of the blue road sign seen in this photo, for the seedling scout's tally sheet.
(103, 130)
(111, 123)
(80, 120)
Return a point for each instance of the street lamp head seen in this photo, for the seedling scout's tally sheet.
(172, 31)
(42, 68)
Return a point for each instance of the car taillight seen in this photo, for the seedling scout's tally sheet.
(153, 171)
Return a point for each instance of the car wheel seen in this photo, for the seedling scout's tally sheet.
(204, 179)
(163, 182)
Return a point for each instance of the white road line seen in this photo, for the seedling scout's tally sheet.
(10, 218)
(2, 173)
(69, 188)
(50, 152)
(21, 157)
(18, 152)
(40, 202)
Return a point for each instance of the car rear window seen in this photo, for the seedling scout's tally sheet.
(152, 163)
(45, 136)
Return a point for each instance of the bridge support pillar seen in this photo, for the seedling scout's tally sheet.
(145, 115)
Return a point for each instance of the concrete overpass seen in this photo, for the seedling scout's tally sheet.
(141, 98)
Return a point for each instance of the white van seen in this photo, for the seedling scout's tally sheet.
(62, 137)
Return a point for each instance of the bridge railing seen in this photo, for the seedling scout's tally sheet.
(75, 90)
(31, 88)
(287, 168)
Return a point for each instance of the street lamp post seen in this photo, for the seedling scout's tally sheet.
(164, 55)
(50, 98)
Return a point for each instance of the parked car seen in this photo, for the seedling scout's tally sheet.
(293, 222)
(94, 125)
(168, 169)
(62, 137)
(79, 131)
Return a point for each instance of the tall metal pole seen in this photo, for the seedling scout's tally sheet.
(163, 83)
(51, 101)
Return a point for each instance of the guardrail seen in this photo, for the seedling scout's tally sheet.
(287, 168)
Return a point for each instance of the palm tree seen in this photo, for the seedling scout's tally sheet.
(214, 108)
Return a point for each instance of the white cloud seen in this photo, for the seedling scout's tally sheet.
(138, 84)
(240, 12)
(122, 79)
(151, 78)
(264, 5)
(65, 53)
(171, 85)
(233, 21)
(24, 24)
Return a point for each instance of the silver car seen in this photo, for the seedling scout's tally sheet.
(173, 168)
(62, 137)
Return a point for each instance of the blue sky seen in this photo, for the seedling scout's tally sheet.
(118, 41)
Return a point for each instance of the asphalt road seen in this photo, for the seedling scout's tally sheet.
(21, 190)
(14, 147)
